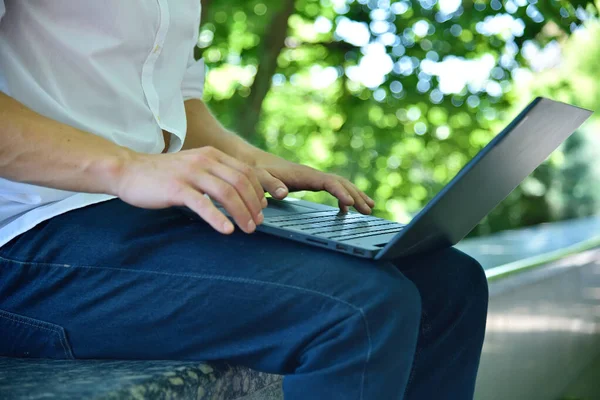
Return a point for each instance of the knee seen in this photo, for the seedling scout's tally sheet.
(475, 277)
(402, 297)
(470, 283)
(393, 302)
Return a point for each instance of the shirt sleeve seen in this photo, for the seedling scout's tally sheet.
(192, 86)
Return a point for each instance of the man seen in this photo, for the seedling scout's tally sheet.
(103, 132)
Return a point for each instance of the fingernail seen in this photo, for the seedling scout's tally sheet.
(251, 226)
(260, 217)
(228, 227)
(281, 192)
(264, 202)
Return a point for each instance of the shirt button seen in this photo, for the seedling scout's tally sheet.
(157, 48)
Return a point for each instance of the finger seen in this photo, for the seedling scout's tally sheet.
(274, 186)
(359, 202)
(343, 208)
(370, 202)
(335, 188)
(243, 186)
(205, 208)
(248, 172)
(229, 198)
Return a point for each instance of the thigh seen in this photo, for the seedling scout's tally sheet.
(130, 241)
(132, 283)
(448, 280)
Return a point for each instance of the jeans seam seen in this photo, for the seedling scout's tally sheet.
(233, 280)
(39, 326)
(63, 341)
(418, 351)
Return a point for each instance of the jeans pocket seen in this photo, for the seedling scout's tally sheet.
(25, 337)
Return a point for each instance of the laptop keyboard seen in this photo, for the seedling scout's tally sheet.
(336, 226)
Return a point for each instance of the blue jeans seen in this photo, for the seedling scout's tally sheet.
(111, 281)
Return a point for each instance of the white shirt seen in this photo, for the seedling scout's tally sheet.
(120, 69)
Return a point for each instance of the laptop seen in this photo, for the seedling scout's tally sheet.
(479, 187)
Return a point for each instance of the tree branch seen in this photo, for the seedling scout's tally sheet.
(273, 44)
(205, 7)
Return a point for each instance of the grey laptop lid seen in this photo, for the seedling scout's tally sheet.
(491, 176)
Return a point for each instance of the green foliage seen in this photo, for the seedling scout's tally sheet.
(371, 90)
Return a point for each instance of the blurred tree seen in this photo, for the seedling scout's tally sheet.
(395, 95)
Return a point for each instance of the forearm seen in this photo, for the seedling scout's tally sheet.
(205, 130)
(41, 151)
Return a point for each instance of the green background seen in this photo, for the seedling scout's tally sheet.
(404, 136)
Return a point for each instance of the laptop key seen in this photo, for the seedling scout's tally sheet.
(326, 221)
(346, 226)
(292, 217)
(355, 230)
(311, 218)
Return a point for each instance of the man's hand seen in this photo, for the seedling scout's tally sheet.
(182, 179)
(276, 175)
(279, 177)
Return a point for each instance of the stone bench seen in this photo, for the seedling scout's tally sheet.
(95, 380)
(504, 256)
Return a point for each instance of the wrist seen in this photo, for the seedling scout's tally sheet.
(111, 171)
(244, 151)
